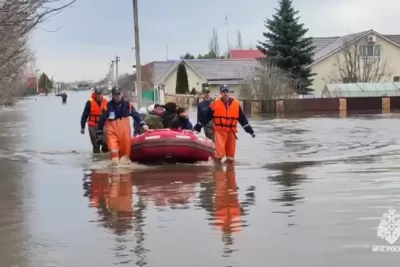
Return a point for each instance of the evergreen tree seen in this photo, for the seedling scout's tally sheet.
(287, 47)
(182, 82)
(188, 56)
(45, 82)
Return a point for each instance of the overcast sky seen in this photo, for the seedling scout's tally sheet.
(94, 31)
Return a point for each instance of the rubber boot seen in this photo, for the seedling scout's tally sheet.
(217, 161)
(230, 162)
(96, 149)
(125, 161)
(104, 148)
(114, 162)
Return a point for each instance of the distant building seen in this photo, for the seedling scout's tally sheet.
(213, 72)
(369, 45)
(31, 84)
(245, 54)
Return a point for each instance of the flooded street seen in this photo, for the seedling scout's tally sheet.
(305, 192)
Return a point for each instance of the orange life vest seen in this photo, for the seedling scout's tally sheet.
(96, 111)
(225, 119)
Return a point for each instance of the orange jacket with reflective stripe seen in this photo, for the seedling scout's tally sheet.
(95, 111)
(225, 117)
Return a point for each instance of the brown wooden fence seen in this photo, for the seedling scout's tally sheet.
(368, 104)
(380, 104)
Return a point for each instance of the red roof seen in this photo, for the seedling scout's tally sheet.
(245, 53)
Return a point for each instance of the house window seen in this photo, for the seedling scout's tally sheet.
(370, 50)
(396, 79)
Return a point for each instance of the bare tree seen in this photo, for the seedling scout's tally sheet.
(239, 39)
(268, 82)
(214, 44)
(358, 63)
(125, 81)
(18, 18)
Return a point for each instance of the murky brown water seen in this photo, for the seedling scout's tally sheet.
(305, 192)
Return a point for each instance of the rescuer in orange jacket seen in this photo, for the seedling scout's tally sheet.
(119, 133)
(225, 113)
(91, 114)
(227, 207)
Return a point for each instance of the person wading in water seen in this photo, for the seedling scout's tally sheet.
(91, 114)
(226, 113)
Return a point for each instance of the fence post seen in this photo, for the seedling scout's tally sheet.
(385, 105)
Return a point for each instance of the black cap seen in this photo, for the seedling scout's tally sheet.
(98, 92)
(224, 88)
(115, 91)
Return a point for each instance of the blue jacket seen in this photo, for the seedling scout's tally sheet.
(202, 109)
(137, 128)
(180, 122)
(120, 110)
(85, 114)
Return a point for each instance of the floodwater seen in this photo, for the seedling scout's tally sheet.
(304, 192)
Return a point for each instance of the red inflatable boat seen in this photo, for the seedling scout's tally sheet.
(175, 146)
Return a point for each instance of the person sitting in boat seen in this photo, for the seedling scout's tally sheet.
(137, 129)
(181, 120)
(153, 118)
(169, 113)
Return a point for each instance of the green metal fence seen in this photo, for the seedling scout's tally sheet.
(150, 96)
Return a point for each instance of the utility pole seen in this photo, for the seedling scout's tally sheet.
(227, 32)
(137, 54)
(37, 81)
(116, 70)
(112, 72)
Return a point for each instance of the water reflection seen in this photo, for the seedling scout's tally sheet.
(228, 214)
(111, 193)
(290, 179)
(170, 186)
(220, 199)
(13, 191)
(121, 201)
